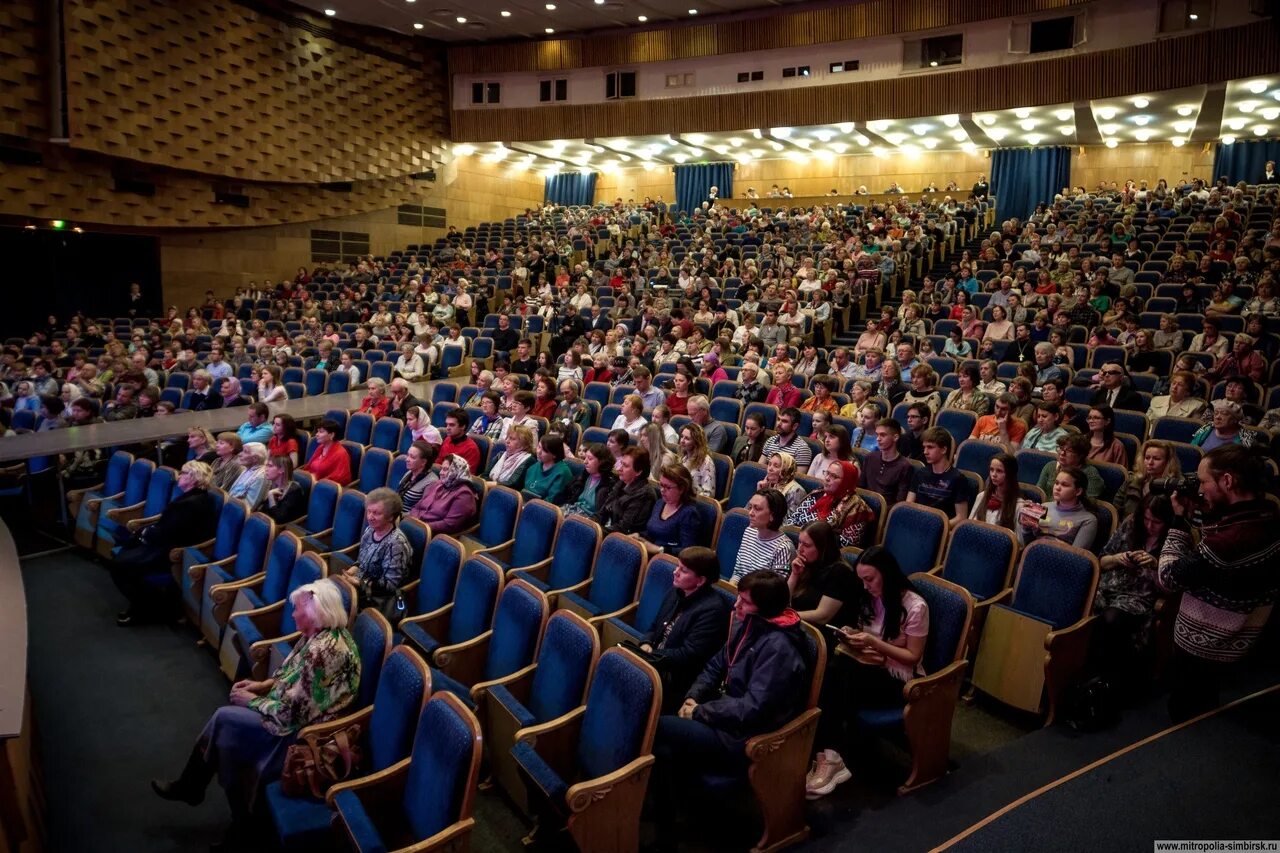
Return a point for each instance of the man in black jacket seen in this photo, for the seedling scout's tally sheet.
(401, 399)
(1114, 392)
(140, 569)
(690, 627)
(505, 338)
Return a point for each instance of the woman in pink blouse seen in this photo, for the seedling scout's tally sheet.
(1103, 444)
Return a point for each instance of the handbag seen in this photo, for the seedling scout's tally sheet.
(390, 604)
(316, 763)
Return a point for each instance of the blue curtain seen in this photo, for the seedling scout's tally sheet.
(694, 183)
(1244, 161)
(571, 188)
(1021, 178)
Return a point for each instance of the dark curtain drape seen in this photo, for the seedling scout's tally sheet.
(1244, 161)
(571, 188)
(1021, 178)
(694, 183)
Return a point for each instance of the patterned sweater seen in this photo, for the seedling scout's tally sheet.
(1229, 581)
(316, 682)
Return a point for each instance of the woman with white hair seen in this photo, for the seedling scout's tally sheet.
(140, 568)
(251, 485)
(244, 742)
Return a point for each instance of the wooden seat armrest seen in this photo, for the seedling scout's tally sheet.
(222, 596)
(122, 514)
(464, 661)
(761, 746)
(470, 531)
(318, 729)
(594, 792)
(501, 551)
(435, 623)
(1000, 597)
(925, 687)
(96, 503)
(347, 551)
(384, 787)
(452, 837)
(538, 570)
(260, 652)
(78, 494)
(556, 741)
(267, 618)
(598, 622)
(518, 684)
(136, 524)
(1065, 654)
(408, 589)
(322, 538)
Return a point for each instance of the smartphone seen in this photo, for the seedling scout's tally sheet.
(833, 629)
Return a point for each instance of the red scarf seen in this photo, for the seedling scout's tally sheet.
(848, 485)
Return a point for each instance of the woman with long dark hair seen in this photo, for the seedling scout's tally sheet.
(1000, 502)
(878, 653)
(822, 583)
(1103, 444)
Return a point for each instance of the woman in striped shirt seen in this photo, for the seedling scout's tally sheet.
(764, 545)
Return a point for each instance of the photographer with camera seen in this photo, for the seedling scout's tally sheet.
(1229, 580)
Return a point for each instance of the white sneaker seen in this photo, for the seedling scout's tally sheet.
(828, 771)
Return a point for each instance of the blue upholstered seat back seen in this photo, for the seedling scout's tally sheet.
(618, 706)
(255, 539)
(348, 522)
(117, 473)
(434, 790)
(231, 518)
(978, 559)
(306, 569)
(135, 485)
(374, 468)
(658, 578)
(617, 573)
(359, 428)
(284, 551)
(535, 533)
(372, 636)
(516, 627)
(439, 574)
(708, 520)
(948, 615)
(498, 515)
(321, 505)
(396, 707)
(975, 455)
(564, 664)
(914, 536)
(575, 553)
(730, 539)
(745, 479)
(386, 434)
(159, 492)
(474, 600)
(417, 534)
(1054, 583)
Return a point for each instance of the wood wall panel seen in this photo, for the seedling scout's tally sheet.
(24, 70)
(1209, 57)
(1150, 162)
(842, 22)
(214, 87)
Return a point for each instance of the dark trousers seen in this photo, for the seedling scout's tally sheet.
(147, 585)
(1194, 685)
(685, 751)
(1114, 647)
(847, 687)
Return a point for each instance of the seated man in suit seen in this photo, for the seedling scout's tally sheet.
(1115, 390)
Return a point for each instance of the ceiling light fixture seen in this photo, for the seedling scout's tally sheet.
(1184, 126)
(642, 18)
(862, 140)
(417, 26)
(551, 7)
(1111, 143)
(504, 13)
(968, 146)
(959, 134)
(1108, 129)
(1270, 113)
(1107, 113)
(1259, 130)
(1033, 138)
(987, 120)
(929, 143)
(1228, 140)
(1141, 103)
(1142, 135)
(997, 133)
(879, 125)
(331, 12)
(1247, 106)
(1022, 112)
(839, 147)
(1237, 123)
(781, 132)
(1141, 120)
(1186, 110)
(1063, 115)
(548, 31)
(951, 120)
(920, 129)
(1258, 87)
(1028, 124)
(846, 127)
(735, 141)
(1177, 142)
(824, 135)
(461, 20)
(895, 138)
(693, 11)
(463, 150)
(1066, 129)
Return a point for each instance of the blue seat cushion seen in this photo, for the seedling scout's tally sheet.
(581, 602)
(548, 781)
(523, 715)
(302, 823)
(360, 826)
(626, 629)
(247, 633)
(440, 681)
(416, 636)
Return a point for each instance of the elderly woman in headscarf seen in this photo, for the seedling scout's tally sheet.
(448, 505)
(838, 504)
(251, 485)
(780, 474)
(231, 393)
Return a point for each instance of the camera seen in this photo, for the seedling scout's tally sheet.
(1185, 486)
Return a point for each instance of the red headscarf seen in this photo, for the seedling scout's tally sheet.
(849, 477)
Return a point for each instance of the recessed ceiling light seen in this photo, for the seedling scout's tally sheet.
(417, 26)
(862, 140)
(1107, 113)
(997, 133)
(642, 18)
(1247, 106)
(1066, 129)
(1186, 110)
(408, 1)
(1258, 87)
(551, 7)
(1184, 126)
(1033, 138)
(548, 31)
(920, 129)
(599, 2)
(693, 11)
(331, 12)
(1228, 140)
(1260, 130)
(1141, 103)
(959, 134)
(1237, 123)
(987, 120)
(504, 13)
(1111, 143)
(1142, 135)
(1022, 112)
(1028, 124)
(930, 143)
(846, 127)
(1177, 142)
(1270, 114)
(1063, 115)
(1108, 129)
(461, 20)
(1141, 120)
(969, 146)
(951, 120)
(1193, 16)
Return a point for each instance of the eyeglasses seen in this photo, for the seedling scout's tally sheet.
(1112, 372)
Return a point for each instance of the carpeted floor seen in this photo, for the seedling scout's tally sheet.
(115, 708)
